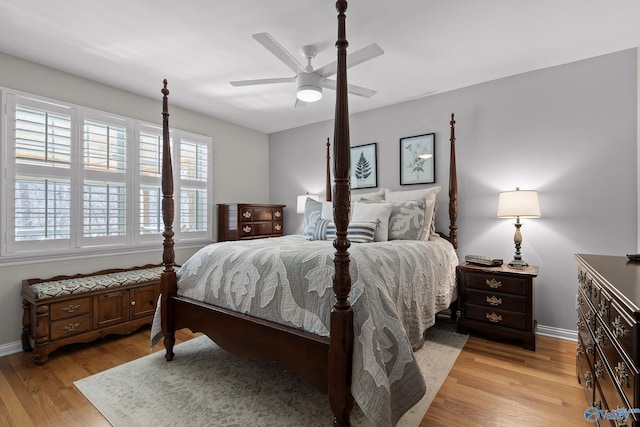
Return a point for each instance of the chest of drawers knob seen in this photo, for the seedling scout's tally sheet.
(71, 308)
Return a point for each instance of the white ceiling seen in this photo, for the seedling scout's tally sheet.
(430, 46)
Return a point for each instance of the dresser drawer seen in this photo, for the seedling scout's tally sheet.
(495, 316)
(262, 214)
(70, 308)
(498, 283)
(70, 327)
(586, 338)
(623, 374)
(611, 393)
(262, 228)
(499, 300)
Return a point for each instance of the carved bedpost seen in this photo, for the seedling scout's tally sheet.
(328, 174)
(341, 344)
(453, 187)
(168, 277)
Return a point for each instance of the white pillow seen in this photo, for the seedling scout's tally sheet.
(380, 212)
(376, 195)
(423, 193)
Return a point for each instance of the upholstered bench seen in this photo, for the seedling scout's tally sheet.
(71, 309)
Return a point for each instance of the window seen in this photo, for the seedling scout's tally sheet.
(77, 179)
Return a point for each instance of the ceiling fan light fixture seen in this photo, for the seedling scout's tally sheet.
(309, 89)
(309, 93)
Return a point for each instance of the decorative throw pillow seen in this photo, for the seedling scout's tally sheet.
(426, 193)
(357, 231)
(407, 219)
(312, 212)
(380, 211)
(320, 232)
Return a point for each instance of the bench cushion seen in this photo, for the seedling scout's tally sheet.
(93, 283)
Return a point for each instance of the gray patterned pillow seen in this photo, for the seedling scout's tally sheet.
(407, 220)
(312, 212)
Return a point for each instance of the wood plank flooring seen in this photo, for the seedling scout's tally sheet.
(491, 384)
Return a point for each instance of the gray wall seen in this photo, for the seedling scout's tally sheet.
(234, 148)
(568, 132)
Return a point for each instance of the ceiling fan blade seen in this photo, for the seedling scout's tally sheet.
(262, 81)
(276, 48)
(355, 58)
(356, 90)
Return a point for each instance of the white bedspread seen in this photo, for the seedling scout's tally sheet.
(397, 288)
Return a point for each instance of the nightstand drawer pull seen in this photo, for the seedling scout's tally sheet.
(599, 369)
(71, 308)
(493, 283)
(246, 229)
(246, 214)
(493, 317)
(621, 373)
(494, 301)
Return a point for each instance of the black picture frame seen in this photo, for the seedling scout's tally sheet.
(415, 169)
(364, 166)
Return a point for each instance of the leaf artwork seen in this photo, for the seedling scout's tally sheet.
(416, 165)
(363, 168)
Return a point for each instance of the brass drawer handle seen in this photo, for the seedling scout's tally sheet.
(621, 373)
(618, 327)
(588, 380)
(493, 283)
(71, 308)
(590, 347)
(246, 229)
(579, 351)
(494, 301)
(580, 324)
(71, 327)
(600, 336)
(604, 308)
(278, 227)
(277, 214)
(246, 214)
(599, 369)
(493, 317)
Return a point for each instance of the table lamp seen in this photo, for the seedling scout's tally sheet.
(517, 204)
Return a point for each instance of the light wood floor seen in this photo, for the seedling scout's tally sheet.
(491, 384)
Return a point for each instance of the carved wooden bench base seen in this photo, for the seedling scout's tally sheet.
(71, 309)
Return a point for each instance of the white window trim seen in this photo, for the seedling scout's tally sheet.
(79, 246)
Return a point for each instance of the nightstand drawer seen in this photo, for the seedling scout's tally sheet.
(496, 282)
(497, 300)
(495, 316)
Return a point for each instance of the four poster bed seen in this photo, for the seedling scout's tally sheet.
(329, 310)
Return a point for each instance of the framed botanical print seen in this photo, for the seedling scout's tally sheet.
(364, 166)
(417, 159)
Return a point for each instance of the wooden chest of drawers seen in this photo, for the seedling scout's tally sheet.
(243, 221)
(608, 336)
(498, 302)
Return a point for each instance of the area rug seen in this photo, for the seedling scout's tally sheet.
(206, 386)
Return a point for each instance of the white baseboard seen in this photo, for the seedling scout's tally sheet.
(563, 334)
(10, 348)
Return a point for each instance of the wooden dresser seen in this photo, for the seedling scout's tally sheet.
(498, 302)
(607, 353)
(242, 221)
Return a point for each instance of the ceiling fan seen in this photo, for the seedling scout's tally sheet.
(310, 81)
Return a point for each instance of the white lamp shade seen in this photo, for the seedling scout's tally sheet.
(302, 200)
(518, 203)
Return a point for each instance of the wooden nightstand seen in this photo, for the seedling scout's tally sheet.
(498, 302)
